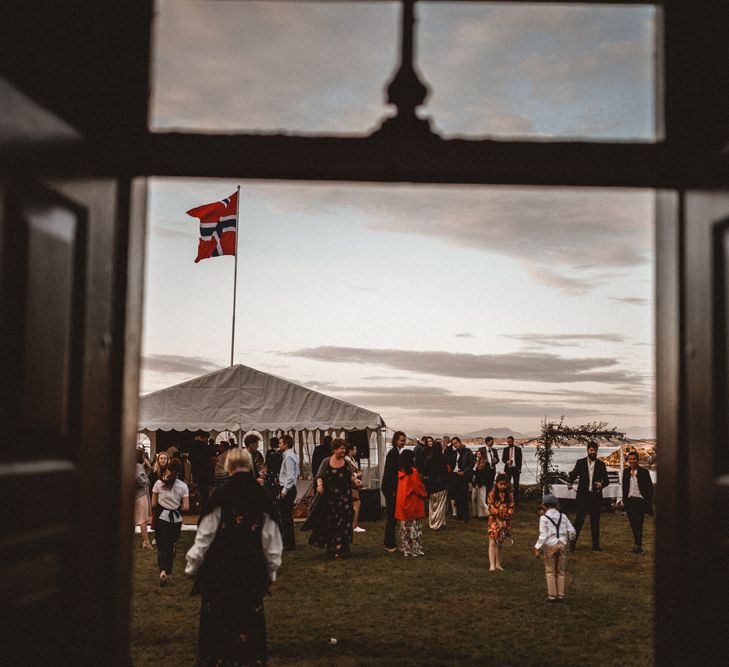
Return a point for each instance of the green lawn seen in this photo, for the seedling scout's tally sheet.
(444, 609)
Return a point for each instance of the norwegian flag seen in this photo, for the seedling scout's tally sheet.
(218, 227)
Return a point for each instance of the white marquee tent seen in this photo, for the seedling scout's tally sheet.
(241, 399)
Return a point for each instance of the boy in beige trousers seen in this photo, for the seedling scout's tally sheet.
(555, 533)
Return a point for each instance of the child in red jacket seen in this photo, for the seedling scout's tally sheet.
(410, 505)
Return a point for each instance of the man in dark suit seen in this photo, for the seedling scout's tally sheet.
(322, 451)
(511, 457)
(449, 455)
(388, 486)
(637, 498)
(593, 479)
(492, 458)
(463, 474)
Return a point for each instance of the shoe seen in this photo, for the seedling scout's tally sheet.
(551, 598)
(560, 598)
(359, 530)
(596, 549)
(639, 551)
(163, 580)
(391, 550)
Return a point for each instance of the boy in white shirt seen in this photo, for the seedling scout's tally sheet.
(555, 533)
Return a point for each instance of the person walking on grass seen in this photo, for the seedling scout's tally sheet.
(351, 459)
(462, 476)
(555, 532)
(410, 505)
(388, 486)
(170, 496)
(234, 560)
(435, 478)
(331, 516)
(593, 477)
(142, 508)
(637, 498)
(501, 507)
(287, 477)
(511, 457)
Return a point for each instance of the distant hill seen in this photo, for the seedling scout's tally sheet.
(640, 432)
(498, 433)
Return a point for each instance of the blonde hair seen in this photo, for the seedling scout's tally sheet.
(238, 459)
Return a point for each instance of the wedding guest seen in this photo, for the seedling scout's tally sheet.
(250, 442)
(287, 479)
(388, 487)
(492, 459)
(220, 474)
(449, 454)
(351, 459)
(332, 515)
(420, 457)
(501, 507)
(142, 507)
(637, 498)
(436, 473)
(593, 477)
(170, 495)
(159, 469)
(462, 476)
(511, 457)
(480, 488)
(201, 454)
(555, 533)
(273, 462)
(409, 506)
(322, 451)
(234, 560)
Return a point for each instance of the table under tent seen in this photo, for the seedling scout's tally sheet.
(240, 399)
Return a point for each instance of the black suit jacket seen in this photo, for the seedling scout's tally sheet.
(645, 486)
(495, 455)
(389, 474)
(599, 475)
(517, 458)
(466, 461)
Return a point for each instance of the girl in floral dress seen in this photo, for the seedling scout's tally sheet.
(501, 507)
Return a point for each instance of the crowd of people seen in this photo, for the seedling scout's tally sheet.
(247, 516)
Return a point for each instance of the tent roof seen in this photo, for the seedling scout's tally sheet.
(240, 397)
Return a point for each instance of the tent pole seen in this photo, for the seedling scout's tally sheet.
(235, 274)
(380, 460)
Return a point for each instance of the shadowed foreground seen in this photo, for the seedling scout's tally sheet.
(444, 609)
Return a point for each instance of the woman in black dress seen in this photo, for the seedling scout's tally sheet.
(332, 514)
(235, 557)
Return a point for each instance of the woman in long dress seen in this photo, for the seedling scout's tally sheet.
(332, 514)
(142, 507)
(234, 560)
(410, 505)
(436, 474)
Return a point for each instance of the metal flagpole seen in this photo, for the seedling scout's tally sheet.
(235, 273)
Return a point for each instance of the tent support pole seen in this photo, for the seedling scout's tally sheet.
(235, 274)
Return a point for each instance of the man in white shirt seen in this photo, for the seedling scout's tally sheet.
(287, 479)
(593, 477)
(637, 498)
(555, 532)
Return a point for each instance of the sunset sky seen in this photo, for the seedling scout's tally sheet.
(444, 308)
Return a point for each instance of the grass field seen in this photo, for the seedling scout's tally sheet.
(444, 609)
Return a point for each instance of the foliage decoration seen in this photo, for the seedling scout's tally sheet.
(557, 433)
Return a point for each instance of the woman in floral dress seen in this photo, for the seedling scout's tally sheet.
(501, 507)
(332, 514)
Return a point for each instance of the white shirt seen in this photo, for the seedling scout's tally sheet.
(590, 472)
(490, 455)
(208, 528)
(548, 531)
(289, 470)
(170, 499)
(634, 490)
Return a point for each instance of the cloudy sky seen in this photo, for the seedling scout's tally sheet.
(444, 308)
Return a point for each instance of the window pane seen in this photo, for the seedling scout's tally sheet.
(518, 70)
(272, 66)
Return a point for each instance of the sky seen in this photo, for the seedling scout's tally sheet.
(444, 308)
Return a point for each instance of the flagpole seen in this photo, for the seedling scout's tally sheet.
(235, 273)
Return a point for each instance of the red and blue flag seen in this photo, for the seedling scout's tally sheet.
(218, 227)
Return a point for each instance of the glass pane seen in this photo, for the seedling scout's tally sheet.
(272, 66)
(519, 70)
(494, 69)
